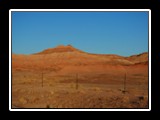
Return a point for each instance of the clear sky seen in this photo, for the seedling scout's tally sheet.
(122, 33)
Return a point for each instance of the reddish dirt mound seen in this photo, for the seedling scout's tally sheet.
(69, 59)
(60, 48)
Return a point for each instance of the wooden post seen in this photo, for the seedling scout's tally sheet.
(124, 90)
(42, 79)
(76, 81)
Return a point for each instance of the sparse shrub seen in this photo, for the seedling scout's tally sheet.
(23, 100)
(47, 106)
(35, 99)
(141, 98)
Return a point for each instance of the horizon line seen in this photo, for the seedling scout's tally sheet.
(80, 50)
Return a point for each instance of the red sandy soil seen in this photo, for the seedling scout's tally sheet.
(62, 65)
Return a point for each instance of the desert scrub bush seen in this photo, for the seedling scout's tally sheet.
(23, 100)
(139, 102)
(47, 106)
(140, 98)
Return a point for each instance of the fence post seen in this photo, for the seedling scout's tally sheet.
(76, 81)
(124, 84)
(42, 79)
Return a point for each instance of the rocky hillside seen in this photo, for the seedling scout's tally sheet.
(67, 58)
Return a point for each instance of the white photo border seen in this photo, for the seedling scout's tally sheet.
(81, 10)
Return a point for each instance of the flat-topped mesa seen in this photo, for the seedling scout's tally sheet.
(60, 48)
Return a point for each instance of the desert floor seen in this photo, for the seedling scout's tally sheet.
(79, 90)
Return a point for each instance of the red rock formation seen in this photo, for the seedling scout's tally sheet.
(67, 59)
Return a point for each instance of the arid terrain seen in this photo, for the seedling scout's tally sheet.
(66, 77)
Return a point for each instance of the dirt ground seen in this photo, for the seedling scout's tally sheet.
(50, 90)
(65, 77)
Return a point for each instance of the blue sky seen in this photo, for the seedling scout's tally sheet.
(122, 33)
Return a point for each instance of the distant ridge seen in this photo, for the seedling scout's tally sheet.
(68, 59)
(140, 58)
(68, 56)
